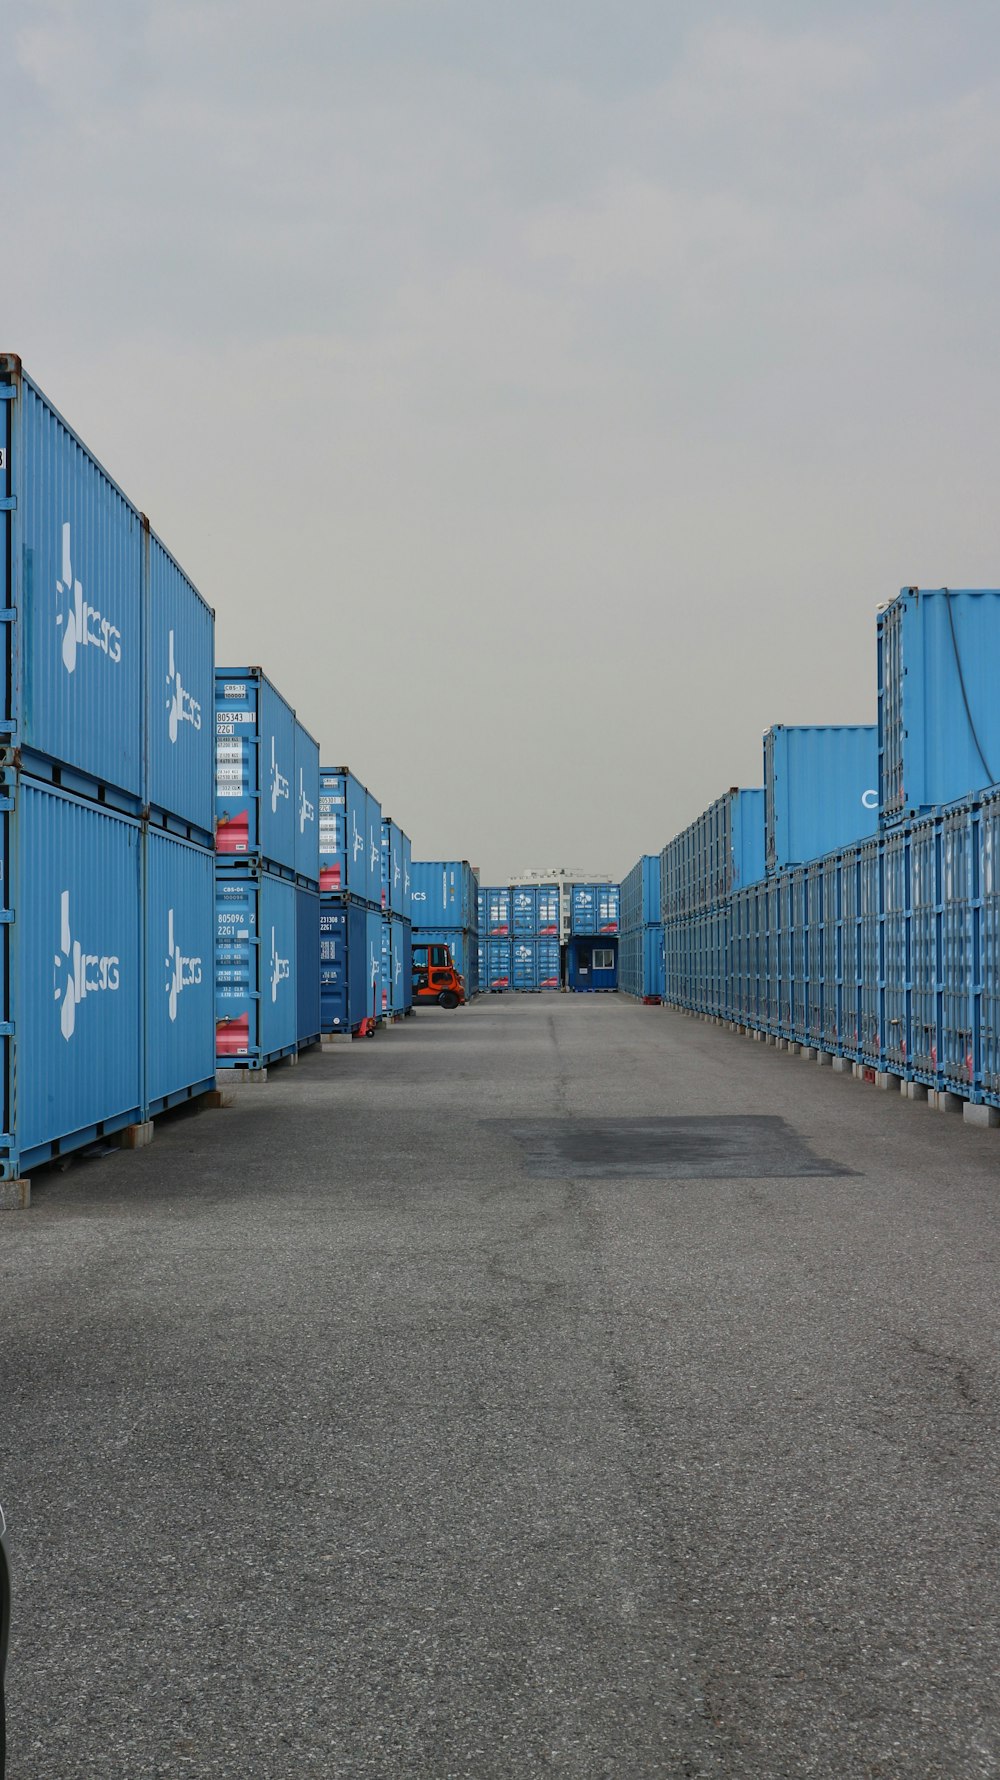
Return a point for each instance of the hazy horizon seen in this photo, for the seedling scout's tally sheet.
(546, 397)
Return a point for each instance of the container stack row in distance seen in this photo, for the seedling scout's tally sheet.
(106, 813)
(870, 926)
(354, 987)
(520, 937)
(444, 901)
(266, 874)
(640, 962)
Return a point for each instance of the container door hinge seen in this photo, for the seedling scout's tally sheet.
(8, 503)
(7, 615)
(6, 1029)
(7, 392)
(6, 917)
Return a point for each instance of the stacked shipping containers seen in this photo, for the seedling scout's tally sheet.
(267, 874)
(592, 951)
(535, 950)
(641, 960)
(701, 871)
(397, 933)
(350, 879)
(445, 911)
(106, 817)
(495, 958)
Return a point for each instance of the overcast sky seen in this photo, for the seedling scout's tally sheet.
(546, 394)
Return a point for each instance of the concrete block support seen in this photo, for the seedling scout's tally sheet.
(914, 1090)
(883, 1080)
(842, 1066)
(15, 1195)
(974, 1114)
(948, 1103)
(216, 1098)
(331, 1040)
(249, 1078)
(808, 1053)
(824, 1059)
(136, 1137)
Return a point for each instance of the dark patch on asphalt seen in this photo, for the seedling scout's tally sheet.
(735, 1148)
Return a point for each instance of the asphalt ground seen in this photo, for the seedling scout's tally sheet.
(558, 1386)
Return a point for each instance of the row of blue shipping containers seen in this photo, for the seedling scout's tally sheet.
(527, 965)
(640, 952)
(887, 952)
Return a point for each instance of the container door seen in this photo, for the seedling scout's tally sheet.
(237, 968)
(76, 941)
(278, 960)
(180, 989)
(307, 966)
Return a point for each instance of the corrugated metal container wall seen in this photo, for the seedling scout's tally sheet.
(72, 985)
(925, 951)
(498, 965)
(497, 911)
(395, 899)
(254, 769)
(373, 955)
(306, 807)
(959, 896)
(640, 894)
(385, 966)
(445, 893)
(896, 950)
(523, 911)
(374, 818)
(524, 964)
(307, 965)
(71, 570)
(407, 942)
(180, 697)
(256, 1008)
(179, 918)
(640, 963)
(594, 909)
(343, 836)
(989, 968)
(820, 789)
(343, 964)
(745, 846)
(939, 716)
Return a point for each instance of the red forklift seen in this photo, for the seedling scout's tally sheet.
(435, 980)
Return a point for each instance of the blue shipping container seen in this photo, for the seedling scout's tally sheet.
(306, 808)
(180, 692)
(640, 894)
(445, 894)
(72, 675)
(498, 966)
(254, 770)
(179, 915)
(534, 964)
(497, 916)
(256, 1005)
(640, 963)
(594, 909)
(71, 978)
(820, 790)
(350, 845)
(307, 966)
(344, 978)
(395, 898)
(393, 986)
(938, 713)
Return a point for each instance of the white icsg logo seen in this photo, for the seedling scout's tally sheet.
(279, 784)
(181, 706)
(76, 973)
(84, 626)
(280, 968)
(182, 973)
(307, 810)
